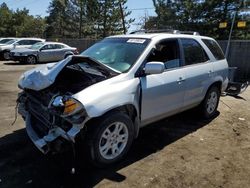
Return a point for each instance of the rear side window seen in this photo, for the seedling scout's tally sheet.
(193, 52)
(24, 42)
(214, 48)
(34, 41)
(59, 46)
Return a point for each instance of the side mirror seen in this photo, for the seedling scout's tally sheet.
(154, 67)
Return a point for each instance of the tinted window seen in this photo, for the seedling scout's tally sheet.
(28, 42)
(24, 42)
(214, 48)
(5, 40)
(166, 52)
(193, 52)
(59, 46)
(50, 47)
(31, 42)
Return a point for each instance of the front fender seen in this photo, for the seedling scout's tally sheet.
(102, 97)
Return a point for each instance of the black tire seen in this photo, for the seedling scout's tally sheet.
(95, 139)
(210, 103)
(31, 59)
(6, 55)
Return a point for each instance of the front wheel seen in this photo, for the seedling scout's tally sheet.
(210, 103)
(6, 55)
(110, 139)
(31, 59)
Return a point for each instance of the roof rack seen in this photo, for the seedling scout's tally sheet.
(172, 31)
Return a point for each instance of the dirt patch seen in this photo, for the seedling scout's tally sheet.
(181, 151)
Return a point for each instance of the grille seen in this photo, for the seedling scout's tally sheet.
(41, 119)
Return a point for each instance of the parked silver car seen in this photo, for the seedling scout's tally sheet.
(120, 84)
(43, 52)
(16, 44)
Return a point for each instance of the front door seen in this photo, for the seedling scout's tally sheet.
(163, 94)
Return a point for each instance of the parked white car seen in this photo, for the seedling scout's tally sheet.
(43, 52)
(17, 43)
(4, 40)
(119, 85)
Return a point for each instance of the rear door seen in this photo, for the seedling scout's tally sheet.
(163, 94)
(47, 53)
(198, 72)
(60, 51)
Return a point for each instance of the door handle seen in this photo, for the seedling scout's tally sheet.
(210, 73)
(180, 80)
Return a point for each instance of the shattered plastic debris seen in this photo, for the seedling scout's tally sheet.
(29, 182)
(241, 119)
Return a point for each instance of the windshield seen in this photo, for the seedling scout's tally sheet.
(11, 41)
(117, 53)
(4, 41)
(37, 46)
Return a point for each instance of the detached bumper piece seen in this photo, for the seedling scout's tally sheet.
(56, 140)
(46, 136)
(236, 88)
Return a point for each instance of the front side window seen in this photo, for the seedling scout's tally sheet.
(214, 48)
(117, 53)
(193, 52)
(166, 52)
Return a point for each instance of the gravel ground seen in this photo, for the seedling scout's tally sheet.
(181, 151)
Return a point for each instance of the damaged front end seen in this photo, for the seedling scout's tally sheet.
(52, 115)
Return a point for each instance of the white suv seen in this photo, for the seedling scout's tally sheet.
(17, 43)
(120, 84)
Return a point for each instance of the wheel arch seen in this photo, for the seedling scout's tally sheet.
(217, 84)
(66, 54)
(128, 109)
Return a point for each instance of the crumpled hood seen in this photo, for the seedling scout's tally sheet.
(43, 76)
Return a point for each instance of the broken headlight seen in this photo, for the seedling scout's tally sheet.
(69, 109)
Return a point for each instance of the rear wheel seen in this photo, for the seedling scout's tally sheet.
(111, 139)
(31, 59)
(210, 103)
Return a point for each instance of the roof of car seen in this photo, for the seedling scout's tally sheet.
(160, 35)
(30, 39)
(54, 43)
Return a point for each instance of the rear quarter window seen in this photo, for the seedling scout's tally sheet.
(214, 48)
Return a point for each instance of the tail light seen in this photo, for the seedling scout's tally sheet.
(76, 51)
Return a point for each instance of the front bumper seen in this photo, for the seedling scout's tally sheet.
(50, 141)
(18, 58)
